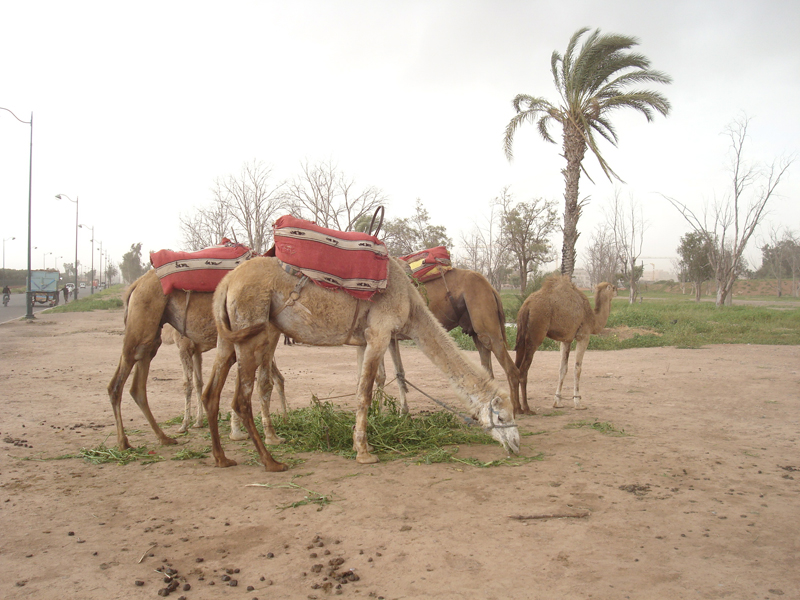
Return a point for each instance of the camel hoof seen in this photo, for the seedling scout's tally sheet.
(225, 462)
(198, 424)
(276, 467)
(580, 408)
(238, 436)
(183, 429)
(168, 441)
(273, 440)
(367, 459)
(124, 445)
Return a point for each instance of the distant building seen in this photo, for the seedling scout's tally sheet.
(580, 277)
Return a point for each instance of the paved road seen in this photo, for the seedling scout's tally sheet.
(16, 308)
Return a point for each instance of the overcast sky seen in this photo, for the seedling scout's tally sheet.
(138, 107)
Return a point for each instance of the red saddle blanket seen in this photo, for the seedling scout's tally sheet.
(199, 271)
(428, 264)
(341, 260)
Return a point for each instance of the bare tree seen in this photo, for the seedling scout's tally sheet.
(526, 231)
(329, 198)
(207, 226)
(254, 200)
(627, 226)
(602, 260)
(486, 248)
(243, 208)
(729, 224)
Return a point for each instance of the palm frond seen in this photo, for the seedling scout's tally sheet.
(528, 110)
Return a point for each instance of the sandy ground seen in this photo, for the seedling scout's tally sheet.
(698, 500)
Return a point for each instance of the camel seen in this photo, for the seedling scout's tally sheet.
(259, 300)
(561, 312)
(146, 310)
(466, 298)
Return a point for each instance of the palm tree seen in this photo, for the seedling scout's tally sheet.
(591, 83)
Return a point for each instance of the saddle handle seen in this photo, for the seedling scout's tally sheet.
(380, 223)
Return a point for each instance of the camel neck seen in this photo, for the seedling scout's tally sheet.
(467, 378)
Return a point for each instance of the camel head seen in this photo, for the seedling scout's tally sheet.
(497, 419)
(606, 289)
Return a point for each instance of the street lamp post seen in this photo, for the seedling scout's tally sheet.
(65, 197)
(91, 283)
(28, 295)
(55, 262)
(44, 257)
(100, 277)
(4, 258)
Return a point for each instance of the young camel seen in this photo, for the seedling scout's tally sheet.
(147, 309)
(561, 312)
(465, 298)
(258, 301)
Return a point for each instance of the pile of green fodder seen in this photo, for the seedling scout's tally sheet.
(427, 437)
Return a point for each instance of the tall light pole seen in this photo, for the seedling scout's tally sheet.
(65, 197)
(55, 262)
(4, 258)
(91, 283)
(100, 278)
(44, 257)
(28, 295)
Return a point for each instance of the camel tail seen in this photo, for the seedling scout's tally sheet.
(126, 297)
(522, 334)
(223, 319)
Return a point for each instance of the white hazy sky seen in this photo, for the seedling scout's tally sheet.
(139, 106)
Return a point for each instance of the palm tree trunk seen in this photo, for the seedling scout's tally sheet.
(574, 150)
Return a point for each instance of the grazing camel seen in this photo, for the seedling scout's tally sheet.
(146, 310)
(465, 298)
(258, 301)
(561, 312)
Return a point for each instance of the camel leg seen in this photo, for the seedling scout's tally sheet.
(238, 432)
(394, 351)
(226, 356)
(197, 363)
(115, 388)
(278, 378)
(265, 385)
(380, 377)
(249, 355)
(565, 348)
(523, 362)
(139, 393)
(484, 352)
(187, 362)
(498, 348)
(579, 352)
(376, 348)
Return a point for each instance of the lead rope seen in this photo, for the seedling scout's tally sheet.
(466, 419)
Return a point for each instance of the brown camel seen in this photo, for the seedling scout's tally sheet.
(465, 298)
(146, 310)
(561, 312)
(258, 301)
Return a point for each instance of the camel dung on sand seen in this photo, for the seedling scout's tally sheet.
(259, 300)
(147, 309)
(465, 298)
(560, 311)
